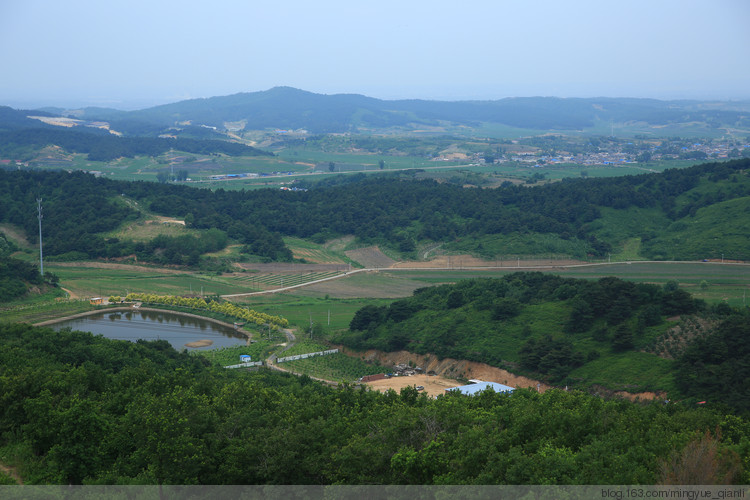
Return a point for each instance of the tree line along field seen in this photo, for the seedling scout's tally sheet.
(555, 219)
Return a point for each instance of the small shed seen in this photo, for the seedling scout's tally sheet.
(245, 358)
(480, 386)
(96, 301)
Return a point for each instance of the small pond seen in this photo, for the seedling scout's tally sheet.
(177, 329)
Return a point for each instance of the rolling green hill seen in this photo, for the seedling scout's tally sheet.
(607, 334)
(567, 331)
(680, 214)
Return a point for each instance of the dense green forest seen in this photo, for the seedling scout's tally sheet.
(557, 329)
(75, 408)
(677, 214)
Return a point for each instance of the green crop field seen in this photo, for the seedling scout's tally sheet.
(263, 281)
(227, 356)
(97, 281)
(300, 310)
(336, 367)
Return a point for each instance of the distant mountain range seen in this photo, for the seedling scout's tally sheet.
(289, 108)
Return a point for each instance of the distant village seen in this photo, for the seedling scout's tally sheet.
(616, 152)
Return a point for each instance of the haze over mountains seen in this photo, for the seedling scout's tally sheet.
(290, 108)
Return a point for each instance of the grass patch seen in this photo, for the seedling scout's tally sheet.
(304, 346)
(541, 246)
(335, 367)
(36, 312)
(715, 232)
(314, 253)
(300, 310)
(642, 371)
(97, 281)
(147, 230)
(227, 356)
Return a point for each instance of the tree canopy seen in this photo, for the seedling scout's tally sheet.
(76, 409)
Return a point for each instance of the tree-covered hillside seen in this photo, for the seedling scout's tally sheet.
(577, 218)
(574, 332)
(75, 409)
(532, 322)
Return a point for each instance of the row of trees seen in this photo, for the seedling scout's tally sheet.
(75, 409)
(225, 308)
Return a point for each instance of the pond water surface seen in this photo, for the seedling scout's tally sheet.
(178, 330)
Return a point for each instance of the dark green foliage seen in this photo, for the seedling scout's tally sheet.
(623, 338)
(505, 308)
(388, 210)
(366, 316)
(487, 320)
(717, 367)
(16, 275)
(549, 355)
(85, 409)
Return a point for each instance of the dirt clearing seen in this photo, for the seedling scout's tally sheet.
(433, 385)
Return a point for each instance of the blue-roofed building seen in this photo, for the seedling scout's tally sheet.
(478, 387)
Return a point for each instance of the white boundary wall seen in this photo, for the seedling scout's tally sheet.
(305, 356)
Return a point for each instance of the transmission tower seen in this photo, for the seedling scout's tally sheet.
(39, 216)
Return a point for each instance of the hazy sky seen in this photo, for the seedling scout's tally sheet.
(135, 53)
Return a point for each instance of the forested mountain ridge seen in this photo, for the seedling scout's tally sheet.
(572, 215)
(289, 108)
(77, 408)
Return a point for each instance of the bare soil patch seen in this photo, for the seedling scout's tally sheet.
(200, 343)
(433, 385)
(448, 369)
(370, 257)
(451, 368)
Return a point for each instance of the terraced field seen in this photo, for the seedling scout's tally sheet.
(265, 281)
(370, 257)
(309, 252)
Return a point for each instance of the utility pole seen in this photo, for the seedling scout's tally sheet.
(39, 216)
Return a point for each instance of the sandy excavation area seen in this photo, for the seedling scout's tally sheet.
(434, 385)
